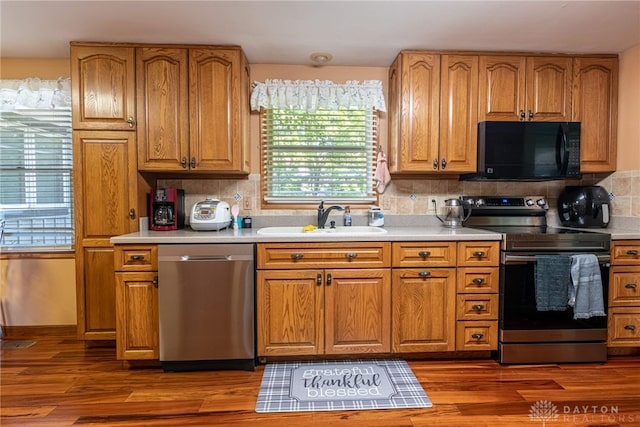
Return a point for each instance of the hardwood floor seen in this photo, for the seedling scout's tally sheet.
(60, 382)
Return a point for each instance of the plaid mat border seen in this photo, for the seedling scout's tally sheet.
(274, 393)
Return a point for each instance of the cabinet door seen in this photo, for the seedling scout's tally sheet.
(162, 96)
(595, 106)
(215, 98)
(290, 314)
(502, 87)
(424, 317)
(358, 311)
(459, 113)
(548, 81)
(418, 138)
(95, 293)
(103, 87)
(137, 316)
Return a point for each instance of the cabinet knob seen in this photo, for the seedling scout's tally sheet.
(630, 286)
(351, 255)
(193, 163)
(155, 281)
(329, 278)
(632, 252)
(424, 254)
(435, 164)
(131, 122)
(319, 279)
(132, 213)
(443, 163)
(477, 336)
(137, 257)
(530, 115)
(477, 307)
(479, 254)
(521, 115)
(183, 163)
(630, 327)
(478, 281)
(296, 256)
(424, 274)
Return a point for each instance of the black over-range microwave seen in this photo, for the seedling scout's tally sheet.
(527, 151)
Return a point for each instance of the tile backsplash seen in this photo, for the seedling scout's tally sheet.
(414, 196)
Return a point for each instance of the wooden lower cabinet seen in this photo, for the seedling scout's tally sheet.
(624, 294)
(136, 302)
(333, 311)
(424, 302)
(303, 309)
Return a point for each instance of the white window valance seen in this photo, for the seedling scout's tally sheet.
(309, 95)
(34, 93)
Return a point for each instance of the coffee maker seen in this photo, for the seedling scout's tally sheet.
(166, 209)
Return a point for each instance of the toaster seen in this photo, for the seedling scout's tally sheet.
(210, 215)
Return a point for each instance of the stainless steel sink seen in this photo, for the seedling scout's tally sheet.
(338, 231)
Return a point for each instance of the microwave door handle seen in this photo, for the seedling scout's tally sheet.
(562, 154)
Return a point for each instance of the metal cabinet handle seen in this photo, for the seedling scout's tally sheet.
(478, 281)
(479, 254)
(136, 257)
(297, 256)
(521, 115)
(155, 281)
(183, 163)
(435, 163)
(477, 336)
(443, 163)
(630, 286)
(424, 274)
(632, 252)
(478, 307)
(132, 213)
(319, 279)
(351, 255)
(193, 163)
(530, 115)
(424, 254)
(329, 278)
(630, 327)
(131, 122)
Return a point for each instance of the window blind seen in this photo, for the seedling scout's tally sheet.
(36, 192)
(321, 155)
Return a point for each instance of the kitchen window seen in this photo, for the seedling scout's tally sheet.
(36, 186)
(318, 141)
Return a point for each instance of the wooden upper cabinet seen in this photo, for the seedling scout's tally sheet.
(194, 109)
(595, 106)
(458, 113)
(103, 85)
(162, 88)
(218, 110)
(536, 88)
(415, 100)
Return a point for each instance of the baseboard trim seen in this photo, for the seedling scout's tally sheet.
(10, 332)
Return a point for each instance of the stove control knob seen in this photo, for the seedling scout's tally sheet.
(542, 203)
(529, 202)
(480, 203)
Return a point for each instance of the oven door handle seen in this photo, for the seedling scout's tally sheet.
(513, 259)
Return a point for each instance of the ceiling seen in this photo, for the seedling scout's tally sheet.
(356, 33)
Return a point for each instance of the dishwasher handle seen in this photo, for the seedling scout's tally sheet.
(215, 258)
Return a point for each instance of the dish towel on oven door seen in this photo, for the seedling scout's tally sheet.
(552, 282)
(586, 295)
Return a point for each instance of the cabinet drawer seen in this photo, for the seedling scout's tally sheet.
(136, 258)
(432, 254)
(625, 252)
(471, 254)
(481, 335)
(477, 307)
(478, 279)
(624, 286)
(624, 327)
(324, 255)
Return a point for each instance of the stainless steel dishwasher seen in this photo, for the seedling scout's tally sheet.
(206, 306)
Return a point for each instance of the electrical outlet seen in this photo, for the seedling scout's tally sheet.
(246, 203)
(431, 207)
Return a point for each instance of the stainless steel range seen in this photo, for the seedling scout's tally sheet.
(527, 334)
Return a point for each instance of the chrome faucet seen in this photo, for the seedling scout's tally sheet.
(323, 213)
